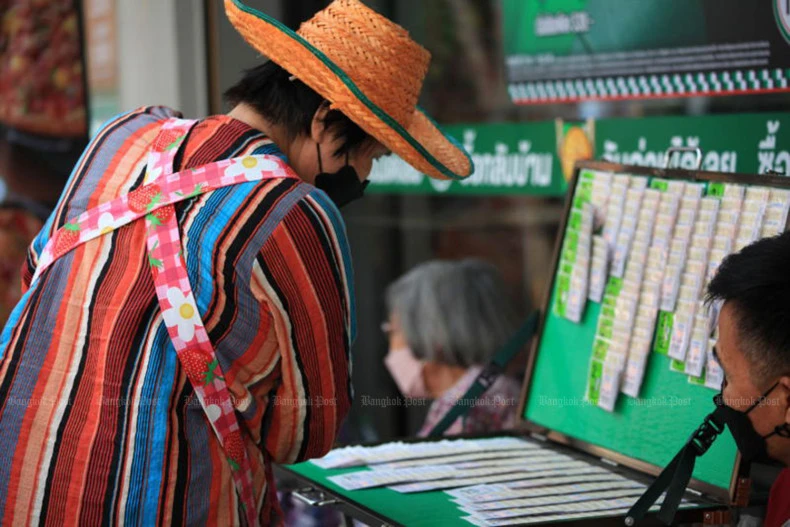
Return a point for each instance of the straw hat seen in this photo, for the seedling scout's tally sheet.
(368, 68)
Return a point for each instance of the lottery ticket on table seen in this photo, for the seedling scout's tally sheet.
(584, 506)
(547, 458)
(536, 487)
(533, 452)
(432, 473)
(553, 494)
(450, 483)
(526, 480)
(493, 509)
(355, 456)
(547, 519)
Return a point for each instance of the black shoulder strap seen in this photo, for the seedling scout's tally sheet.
(489, 374)
(675, 477)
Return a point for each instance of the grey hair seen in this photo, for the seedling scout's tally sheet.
(454, 312)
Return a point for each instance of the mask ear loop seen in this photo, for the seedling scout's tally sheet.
(320, 164)
(762, 398)
(782, 430)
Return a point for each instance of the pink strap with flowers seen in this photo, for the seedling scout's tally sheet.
(154, 201)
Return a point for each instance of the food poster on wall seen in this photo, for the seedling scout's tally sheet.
(537, 158)
(572, 50)
(42, 89)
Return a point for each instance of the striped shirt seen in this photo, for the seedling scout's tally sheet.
(98, 421)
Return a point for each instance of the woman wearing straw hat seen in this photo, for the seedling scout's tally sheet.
(189, 305)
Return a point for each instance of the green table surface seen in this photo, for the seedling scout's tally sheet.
(414, 510)
(434, 508)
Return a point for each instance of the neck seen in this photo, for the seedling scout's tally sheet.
(440, 377)
(245, 113)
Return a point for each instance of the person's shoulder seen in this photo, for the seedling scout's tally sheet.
(315, 202)
(141, 116)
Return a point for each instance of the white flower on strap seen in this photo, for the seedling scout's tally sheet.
(251, 167)
(107, 223)
(182, 314)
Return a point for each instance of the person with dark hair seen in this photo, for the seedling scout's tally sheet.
(753, 348)
(189, 305)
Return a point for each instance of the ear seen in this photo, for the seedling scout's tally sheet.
(318, 131)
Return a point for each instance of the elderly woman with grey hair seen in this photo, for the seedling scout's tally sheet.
(446, 320)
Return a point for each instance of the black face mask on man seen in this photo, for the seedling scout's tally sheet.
(342, 186)
(751, 444)
(676, 475)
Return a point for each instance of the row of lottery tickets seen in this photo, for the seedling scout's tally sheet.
(492, 481)
(645, 250)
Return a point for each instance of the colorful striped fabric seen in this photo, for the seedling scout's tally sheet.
(98, 422)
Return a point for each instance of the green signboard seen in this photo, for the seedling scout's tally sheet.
(746, 143)
(570, 50)
(508, 158)
(513, 159)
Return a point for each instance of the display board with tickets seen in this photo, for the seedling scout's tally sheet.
(624, 364)
(621, 370)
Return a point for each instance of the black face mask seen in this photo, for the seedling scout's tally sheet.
(342, 186)
(751, 444)
(675, 477)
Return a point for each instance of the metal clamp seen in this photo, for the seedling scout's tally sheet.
(679, 150)
(322, 501)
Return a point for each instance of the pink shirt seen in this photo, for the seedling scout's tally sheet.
(494, 410)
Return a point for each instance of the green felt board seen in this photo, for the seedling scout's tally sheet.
(651, 428)
(415, 510)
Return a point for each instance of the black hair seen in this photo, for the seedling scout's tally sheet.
(268, 88)
(756, 281)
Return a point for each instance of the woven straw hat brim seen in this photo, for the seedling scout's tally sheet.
(422, 144)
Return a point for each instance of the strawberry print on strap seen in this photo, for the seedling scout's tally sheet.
(182, 319)
(153, 198)
(154, 202)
